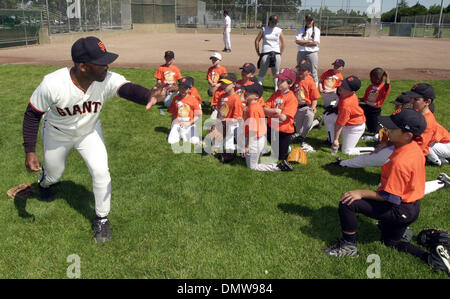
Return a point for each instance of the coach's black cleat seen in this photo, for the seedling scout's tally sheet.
(46, 194)
(102, 233)
(342, 248)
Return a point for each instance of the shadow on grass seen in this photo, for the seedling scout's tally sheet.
(359, 174)
(77, 196)
(324, 223)
(164, 130)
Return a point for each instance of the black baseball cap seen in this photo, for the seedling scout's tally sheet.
(351, 83)
(309, 17)
(407, 119)
(402, 99)
(273, 19)
(339, 62)
(228, 78)
(91, 49)
(169, 54)
(186, 81)
(304, 65)
(254, 88)
(249, 68)
(421, 90)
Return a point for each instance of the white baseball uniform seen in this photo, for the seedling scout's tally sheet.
(227, 32)
(72, 121)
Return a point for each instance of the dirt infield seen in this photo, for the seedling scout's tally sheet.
(403, 58)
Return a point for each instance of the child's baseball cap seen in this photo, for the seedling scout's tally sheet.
(186, 81)
(248, 68)
(286, 74)
(228, 78)
(216, 55)
(402, 100)
(351, 83)
(169, 54)
(339, 63)
(421, 90)
(91, 49)
(407, 119)
(254, 88)
(304, 65)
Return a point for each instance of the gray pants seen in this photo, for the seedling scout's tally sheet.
(313, 58)
(264, 66)
(303, 121)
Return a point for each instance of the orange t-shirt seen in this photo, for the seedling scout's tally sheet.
(375, 95)
(429, 134)
(441, 135)
(168, 74)
(288, 104)
(404, 173)
(215, 72)
(330, 80)
(195, 94)
(238, 89)
(230, 107)
(349, 111)
(255, 120)
(306, 90)
(216, 96)
(184, 107)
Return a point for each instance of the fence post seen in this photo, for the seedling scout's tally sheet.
(24, 24)
(98, 12)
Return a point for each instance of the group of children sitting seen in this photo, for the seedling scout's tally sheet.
(242, 122)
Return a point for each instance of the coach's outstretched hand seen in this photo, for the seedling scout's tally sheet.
(150, 103)
(32, 162)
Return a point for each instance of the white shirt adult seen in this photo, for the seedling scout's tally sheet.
(308, 41)
(227, 33)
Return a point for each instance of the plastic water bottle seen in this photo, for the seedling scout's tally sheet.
(334, 151)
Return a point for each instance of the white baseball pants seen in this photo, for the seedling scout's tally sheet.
(91, 147)
(256, 147)
(227, 39)
(374, 159)
(188, 134)
(439, 151)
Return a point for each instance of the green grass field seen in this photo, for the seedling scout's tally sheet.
(187, 215)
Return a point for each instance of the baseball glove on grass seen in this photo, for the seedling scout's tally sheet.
(21, 192)
(298, 155)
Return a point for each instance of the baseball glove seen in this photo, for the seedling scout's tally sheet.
(21, 192)
(298, 155)
(431, 237)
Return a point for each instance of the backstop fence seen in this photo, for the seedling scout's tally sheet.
(21, 20)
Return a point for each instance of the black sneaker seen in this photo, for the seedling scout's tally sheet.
(342, 248)
(335, 164)
(407, 235)
(285, 166)
(444, 178)
(102, 233)
(320, 124)
(46, 194)
(439, 259)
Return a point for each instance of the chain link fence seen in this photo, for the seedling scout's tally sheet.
(153, 11)
(19, 27)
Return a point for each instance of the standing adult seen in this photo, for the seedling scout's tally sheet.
(71, 99)
(308, 40)
(226, 32)
(272, 48)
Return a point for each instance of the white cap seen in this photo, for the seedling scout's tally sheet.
(216, 55)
